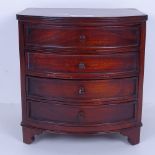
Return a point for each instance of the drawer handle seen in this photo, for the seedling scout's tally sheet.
(82, 37)
(80, 116)
(81, 91)
(82, 65)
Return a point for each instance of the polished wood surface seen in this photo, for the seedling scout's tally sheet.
(82, 71)
(74, 89)
(53, 36)
(54, 112)
(103, 64)
(81, 12)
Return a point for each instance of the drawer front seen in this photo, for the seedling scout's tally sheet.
(59, 113)
(81, 89)
(53, 36)
(54, 63)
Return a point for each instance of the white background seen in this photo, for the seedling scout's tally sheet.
(10, 113)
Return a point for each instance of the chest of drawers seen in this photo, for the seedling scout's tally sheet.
(81, 71)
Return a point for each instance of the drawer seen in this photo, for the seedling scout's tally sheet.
(72, 36)
(105, 64)
(61, 113)
(56, 89)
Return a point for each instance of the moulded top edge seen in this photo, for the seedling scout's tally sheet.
(80, 13)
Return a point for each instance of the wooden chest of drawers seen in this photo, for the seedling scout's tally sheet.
(82, 71)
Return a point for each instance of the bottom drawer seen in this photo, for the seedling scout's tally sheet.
(63, 113)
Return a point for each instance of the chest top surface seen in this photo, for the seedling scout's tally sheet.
(81, 12)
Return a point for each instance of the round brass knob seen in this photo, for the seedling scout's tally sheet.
(82, 37)
(81, 91)
(81, 65)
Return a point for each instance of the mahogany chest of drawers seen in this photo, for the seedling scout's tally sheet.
(82, 71)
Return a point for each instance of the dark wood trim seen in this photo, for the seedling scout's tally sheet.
(29, 134)
(141, 72)
(22, 69)
(133, 134)
(84, 21)
(84, 76)
(77, 50)
(100, 101)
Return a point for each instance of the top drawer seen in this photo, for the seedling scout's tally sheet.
(72, 36)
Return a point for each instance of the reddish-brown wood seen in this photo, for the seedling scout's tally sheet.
(82, 74)
(133, 134)
(75, 89)
(80, 115)
(49, 63)
(29, 134)
(53, 36)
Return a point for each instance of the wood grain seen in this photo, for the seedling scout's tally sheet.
(80, 74)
